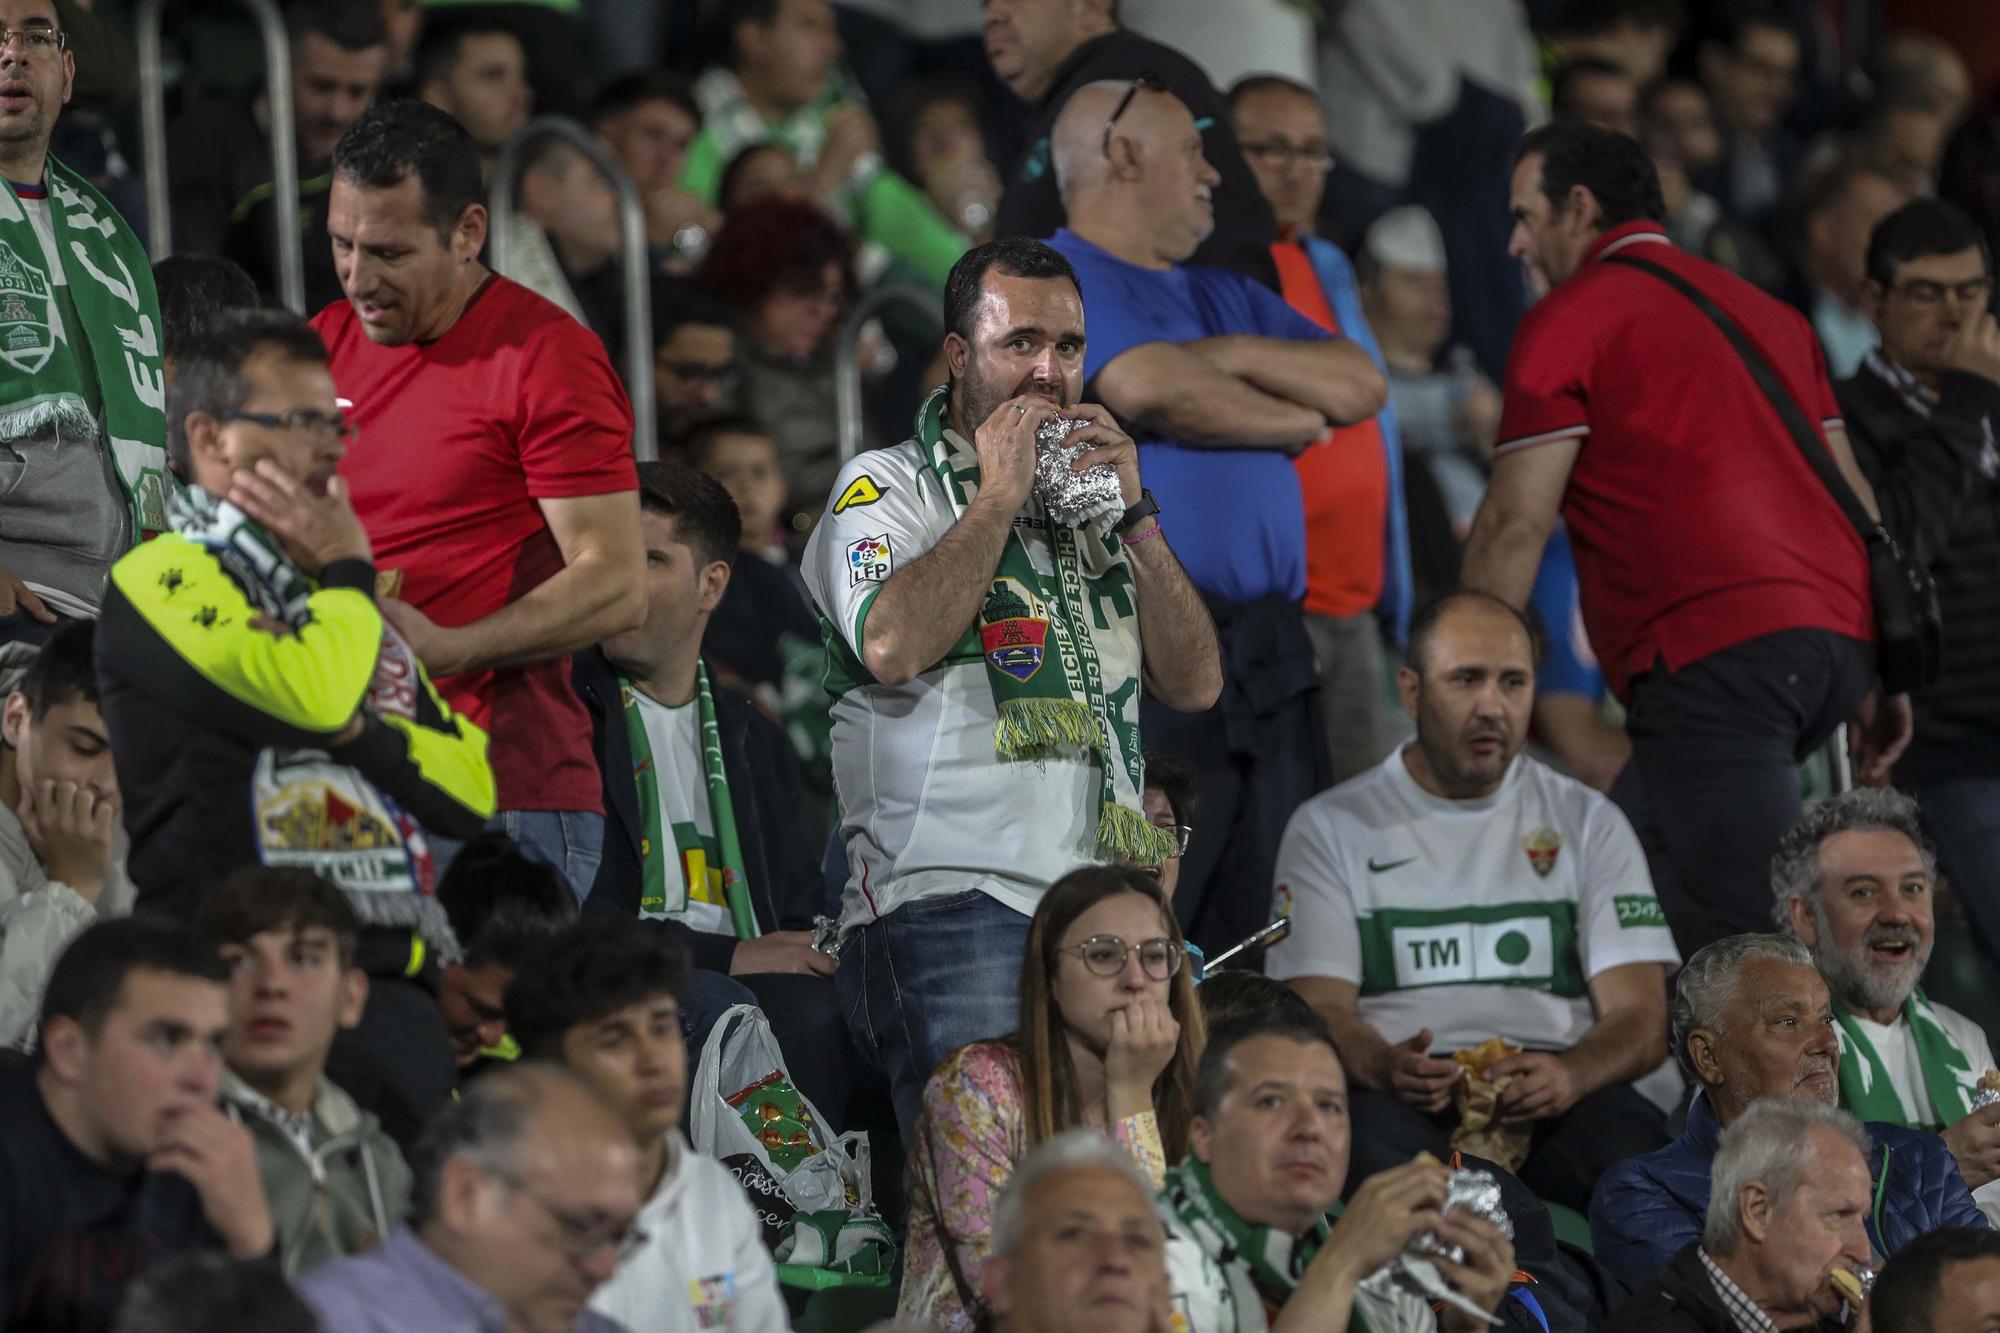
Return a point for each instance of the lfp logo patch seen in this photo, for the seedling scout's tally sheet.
(1014, 629)
(869, 561)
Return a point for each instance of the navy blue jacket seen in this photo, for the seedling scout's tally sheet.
(1647, 1208)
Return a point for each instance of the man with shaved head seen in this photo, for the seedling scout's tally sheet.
(1045, 50)
(527, 1195)
(1222, 383)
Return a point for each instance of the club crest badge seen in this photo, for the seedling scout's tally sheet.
(1014, 629)
(1543, 846)
(27, 337)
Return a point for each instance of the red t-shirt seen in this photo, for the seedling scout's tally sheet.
(1696, 523)
(459, 439)
(1343, 477)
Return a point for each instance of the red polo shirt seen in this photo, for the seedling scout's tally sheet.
(460, 440)
(1696, 523)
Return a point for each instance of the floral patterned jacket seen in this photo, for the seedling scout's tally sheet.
(971, 1132)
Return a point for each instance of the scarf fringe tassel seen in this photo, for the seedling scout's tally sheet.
(1031, 727)
(68, 413)
(1125, 835)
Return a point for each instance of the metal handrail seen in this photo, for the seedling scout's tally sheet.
(846, 358)
(284, 141)
(633, 264)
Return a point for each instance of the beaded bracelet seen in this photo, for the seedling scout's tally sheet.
(1147, 534)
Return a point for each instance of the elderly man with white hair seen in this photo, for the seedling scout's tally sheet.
(1752, 1019)
(1856, 882)
(1786, 1210)
(1221, 383)
(1077, 1244)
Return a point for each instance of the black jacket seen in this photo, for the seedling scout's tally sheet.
(1682, 1299)
(222, 198)
(779, 861)
(72, 1234)
(200, 695)
(1935, 498)
(1244, 227)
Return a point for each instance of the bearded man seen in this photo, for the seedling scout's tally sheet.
(986, 653)
(1855, 881)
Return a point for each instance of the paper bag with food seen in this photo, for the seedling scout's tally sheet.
(1477, 1098)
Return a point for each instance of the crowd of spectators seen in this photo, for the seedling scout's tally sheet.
(1509, 684)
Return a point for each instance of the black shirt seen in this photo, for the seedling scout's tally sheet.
(222, 202)
(1244, 227)
(1936, 474)
(75, 1233)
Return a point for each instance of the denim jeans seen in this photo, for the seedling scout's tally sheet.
(926, 979)
(570, 840)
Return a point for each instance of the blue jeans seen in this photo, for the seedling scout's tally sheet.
(570, 840)
(926, 979)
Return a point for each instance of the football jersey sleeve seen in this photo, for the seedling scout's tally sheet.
(1325, 939)
(1621, 917)
(878, 519)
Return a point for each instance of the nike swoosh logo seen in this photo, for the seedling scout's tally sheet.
(1379, 866)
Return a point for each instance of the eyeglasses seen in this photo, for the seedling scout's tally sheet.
(582, 1237)
(1923, 292)
(1183, 834)
(700, 371)
(1148, 82)
(1281, 153)
(307, 420)
(36, 41)
(1105, 956)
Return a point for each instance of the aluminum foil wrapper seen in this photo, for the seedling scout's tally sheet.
(1477, 1192)
(1087, 499)
(1984, 1096)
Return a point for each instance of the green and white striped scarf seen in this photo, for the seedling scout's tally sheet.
(1061, 652)
(48, 363)
(1865, 1086)
(1261, 1265)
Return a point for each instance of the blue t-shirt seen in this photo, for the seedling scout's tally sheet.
(1236, 516)
(1569, 666)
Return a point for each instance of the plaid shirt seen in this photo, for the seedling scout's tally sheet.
(1746, 1314)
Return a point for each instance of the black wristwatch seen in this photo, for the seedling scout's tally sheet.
(1137, 514)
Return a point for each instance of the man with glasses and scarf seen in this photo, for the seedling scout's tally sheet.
(82, 405)
(260, 706)
(1461, 891)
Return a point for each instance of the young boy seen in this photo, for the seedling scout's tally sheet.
(335, 1181)
(603, 999)
(504, 907)
(62, 860)
(763, 638)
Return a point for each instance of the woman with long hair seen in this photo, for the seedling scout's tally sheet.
(1109, 1037)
